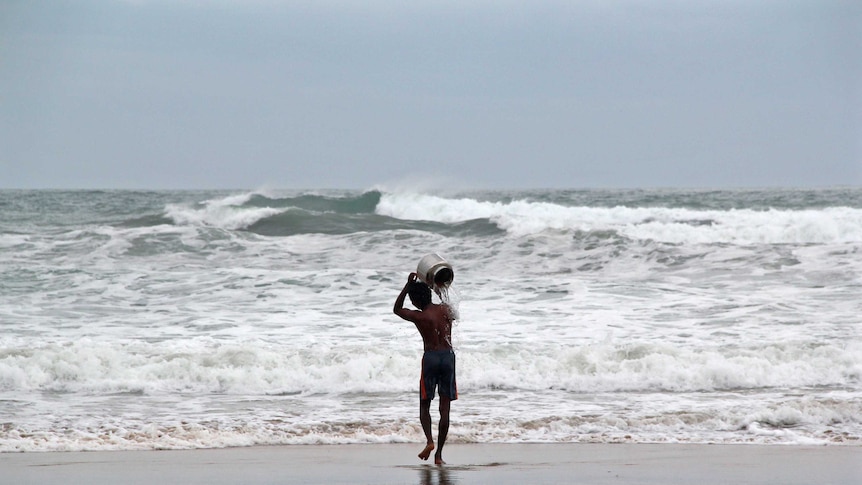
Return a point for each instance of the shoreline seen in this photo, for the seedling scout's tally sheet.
(497, 463)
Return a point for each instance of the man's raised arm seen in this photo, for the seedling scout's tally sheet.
(399, 309)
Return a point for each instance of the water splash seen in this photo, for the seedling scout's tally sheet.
(451, 297)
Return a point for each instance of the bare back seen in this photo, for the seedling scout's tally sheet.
(435, 326)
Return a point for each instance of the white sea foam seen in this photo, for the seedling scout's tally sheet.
(189, 421)
(207, 366)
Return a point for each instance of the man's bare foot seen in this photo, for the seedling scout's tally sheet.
(427, 451)
(439, 461)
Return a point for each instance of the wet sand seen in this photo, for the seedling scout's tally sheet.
(466, 464)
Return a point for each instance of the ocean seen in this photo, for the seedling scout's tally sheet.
(194, 319)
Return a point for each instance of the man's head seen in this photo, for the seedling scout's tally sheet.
(420, 294)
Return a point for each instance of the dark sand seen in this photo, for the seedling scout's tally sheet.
(467, 464)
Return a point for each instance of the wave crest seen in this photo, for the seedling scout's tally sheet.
(663, 224)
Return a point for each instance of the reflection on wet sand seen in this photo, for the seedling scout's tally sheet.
(436, 475)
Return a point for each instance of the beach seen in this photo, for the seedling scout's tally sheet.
(466, 464)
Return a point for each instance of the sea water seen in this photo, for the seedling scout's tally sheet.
(162, 320)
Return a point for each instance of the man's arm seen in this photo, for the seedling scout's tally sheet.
(398, 309)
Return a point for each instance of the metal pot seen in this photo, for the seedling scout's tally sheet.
(435, 271)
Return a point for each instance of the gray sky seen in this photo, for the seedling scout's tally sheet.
(476, 94)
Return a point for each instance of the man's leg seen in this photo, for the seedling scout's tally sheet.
(425, 419)
(443, 429)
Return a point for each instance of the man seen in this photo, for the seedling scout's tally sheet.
(434, 323)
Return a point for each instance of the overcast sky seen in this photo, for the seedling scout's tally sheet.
(477, 94)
